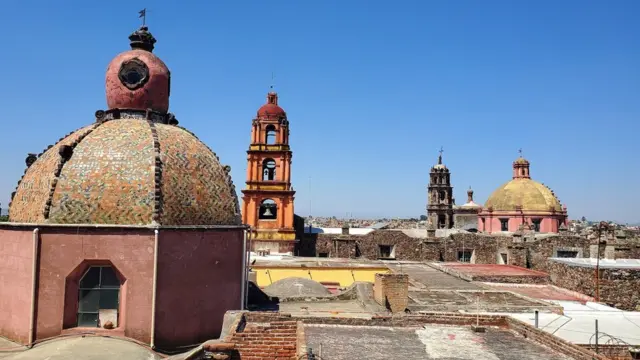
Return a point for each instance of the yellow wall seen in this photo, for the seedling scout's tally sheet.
(346, 277)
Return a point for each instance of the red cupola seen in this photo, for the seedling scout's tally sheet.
(271, 108)
(137, 79)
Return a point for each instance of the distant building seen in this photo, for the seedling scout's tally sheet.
(522, 201)
(465, 217)
(268, 197)
(440, 196)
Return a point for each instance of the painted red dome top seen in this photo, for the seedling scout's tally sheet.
(271, 108)
(137, 79)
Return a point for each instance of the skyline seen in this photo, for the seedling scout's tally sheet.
(370, 105)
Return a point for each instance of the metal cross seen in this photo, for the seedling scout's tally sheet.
(520, 152)
(441, 150)
(272, 77)
(143, 14)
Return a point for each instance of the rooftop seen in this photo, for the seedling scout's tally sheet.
(484, 272)
(604, 263)
(428, 342)
(78, 347)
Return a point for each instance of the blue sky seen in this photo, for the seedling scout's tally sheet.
(372, 90)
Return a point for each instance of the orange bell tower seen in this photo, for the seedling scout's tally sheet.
(268, 197)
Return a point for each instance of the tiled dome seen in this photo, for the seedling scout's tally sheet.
(529, 194)
(133, 166)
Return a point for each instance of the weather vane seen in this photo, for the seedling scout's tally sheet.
(143, 15)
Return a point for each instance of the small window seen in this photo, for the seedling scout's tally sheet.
(536, 224)
(465, 255)
(505, 258)
(271, 135)
(442, 222)
(323, 254)
(268, 210)
(268, 170)
(504, 224)
(387, 251)
(98, 298)
(566, 254)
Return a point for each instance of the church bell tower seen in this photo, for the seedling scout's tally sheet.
(268, 196)
(440, 199)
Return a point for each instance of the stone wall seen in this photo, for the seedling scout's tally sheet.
(616, 285)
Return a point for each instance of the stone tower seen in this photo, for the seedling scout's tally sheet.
(268, 196)
(440, 201)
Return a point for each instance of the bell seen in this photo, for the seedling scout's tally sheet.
(267, 212)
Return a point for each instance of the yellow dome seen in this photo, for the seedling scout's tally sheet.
(529, 194)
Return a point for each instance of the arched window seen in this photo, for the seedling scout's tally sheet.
(442, 195)
(271, 135)
(99, 297)
(268, 169)
(268, 210)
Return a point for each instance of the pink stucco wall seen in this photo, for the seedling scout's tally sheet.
(199, 279)
(16, 261)
(63, 250)
(490, 223)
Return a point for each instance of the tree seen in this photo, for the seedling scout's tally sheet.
(423, 217)
(4, 218)
(584, 219)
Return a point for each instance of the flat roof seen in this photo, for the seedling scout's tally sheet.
(604, 263)
(79, 347)
(285, 261)
(541, 292)
(342, 342)
(491, 270)
(578, 326)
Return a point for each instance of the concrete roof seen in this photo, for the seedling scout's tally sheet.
(604, 263)
(294, 286)
(313, 262)
(78, 347)
(338, 342)
(577, 325)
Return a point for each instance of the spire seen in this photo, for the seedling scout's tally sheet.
(142, 39)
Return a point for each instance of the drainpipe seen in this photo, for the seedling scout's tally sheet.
(34, 283)
(153, 294)
(244, 283)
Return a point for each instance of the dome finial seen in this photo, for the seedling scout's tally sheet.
(142, 39)
(470, 195)
(440, 156)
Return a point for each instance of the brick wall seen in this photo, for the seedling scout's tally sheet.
(392, 291)
(616, 285)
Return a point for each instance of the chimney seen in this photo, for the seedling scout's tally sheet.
(392, 291)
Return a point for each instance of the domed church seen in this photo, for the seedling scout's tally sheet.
(129, 225)
(522, 202)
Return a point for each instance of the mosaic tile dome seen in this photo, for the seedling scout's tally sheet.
(133, 166)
